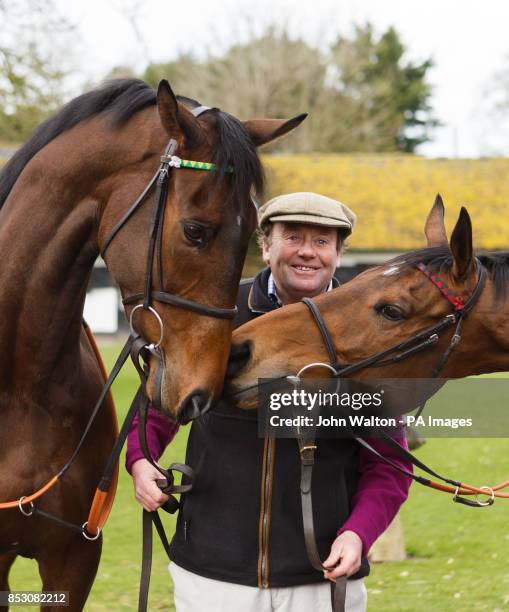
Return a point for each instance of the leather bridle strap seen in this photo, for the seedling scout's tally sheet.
(307, 449)
(179, 302)
(320, 323)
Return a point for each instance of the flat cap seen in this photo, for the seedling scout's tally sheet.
(307, 207)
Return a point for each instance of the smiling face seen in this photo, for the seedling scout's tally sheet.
(302, 258)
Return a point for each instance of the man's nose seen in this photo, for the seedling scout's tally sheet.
(307, 249)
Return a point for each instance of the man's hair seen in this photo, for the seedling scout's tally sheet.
(264, 235)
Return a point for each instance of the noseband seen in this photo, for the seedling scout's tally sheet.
(420, 341)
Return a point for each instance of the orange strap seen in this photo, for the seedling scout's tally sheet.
(466, 489)
(30, 498)
(103, 500)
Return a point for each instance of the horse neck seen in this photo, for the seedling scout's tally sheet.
(48, 245)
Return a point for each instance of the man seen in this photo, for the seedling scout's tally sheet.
(239, 542)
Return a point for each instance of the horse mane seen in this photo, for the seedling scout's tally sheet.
(123, 98)
(439, 260)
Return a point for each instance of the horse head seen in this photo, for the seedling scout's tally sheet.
(191, 248)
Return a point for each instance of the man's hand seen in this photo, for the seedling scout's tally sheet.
(146, 491)
(345, 556)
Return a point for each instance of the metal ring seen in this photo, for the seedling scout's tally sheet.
(20, 506)
(85, 534)
(489, 501)
(159, 320)
(455, 496)
(314, 365)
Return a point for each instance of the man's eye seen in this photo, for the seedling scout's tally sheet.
(322, 242)
(390, 311)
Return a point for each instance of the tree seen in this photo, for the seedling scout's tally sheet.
(30, 82)
(386, 100)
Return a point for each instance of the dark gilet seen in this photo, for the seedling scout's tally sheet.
(242, 521)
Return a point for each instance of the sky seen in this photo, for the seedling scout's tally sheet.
(467, 39)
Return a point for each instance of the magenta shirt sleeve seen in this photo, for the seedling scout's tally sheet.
(160, 432)
(381, 491)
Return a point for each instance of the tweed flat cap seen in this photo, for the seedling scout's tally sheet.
(307, 207)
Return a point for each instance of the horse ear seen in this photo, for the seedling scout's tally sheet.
(263, 131)
(175, 117)
(435, 226)
(461, 246)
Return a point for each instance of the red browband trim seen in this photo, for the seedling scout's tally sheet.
(449, 295)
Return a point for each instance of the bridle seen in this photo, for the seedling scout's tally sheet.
(161, 179)
(144, 301)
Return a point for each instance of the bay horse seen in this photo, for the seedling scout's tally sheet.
(385, 307)
(65, 197)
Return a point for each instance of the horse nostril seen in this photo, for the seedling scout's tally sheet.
(240, 354)
(196, 404)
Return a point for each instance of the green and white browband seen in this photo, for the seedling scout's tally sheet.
(175, 162)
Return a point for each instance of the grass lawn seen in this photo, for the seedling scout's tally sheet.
(457, 555)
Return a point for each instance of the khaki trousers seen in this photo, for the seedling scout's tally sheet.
(195, 593)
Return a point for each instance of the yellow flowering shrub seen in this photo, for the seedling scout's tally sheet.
(392, 194)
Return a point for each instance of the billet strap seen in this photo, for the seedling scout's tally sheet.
(307, 449)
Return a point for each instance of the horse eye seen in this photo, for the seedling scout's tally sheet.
(197, 234)
(390, 312)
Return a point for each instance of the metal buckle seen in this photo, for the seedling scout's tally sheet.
(151, 347)
(20, 506)
(306, 448)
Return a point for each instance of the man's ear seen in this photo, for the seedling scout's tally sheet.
(265, 250)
